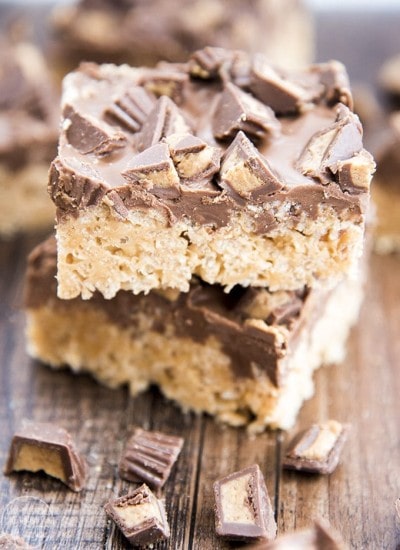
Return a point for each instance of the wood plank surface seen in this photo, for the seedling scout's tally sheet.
(358, 498)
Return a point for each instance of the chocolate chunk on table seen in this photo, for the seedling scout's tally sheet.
(149, 457)
(243, 509)
(49, 448)
(140, 516)
(317, 449)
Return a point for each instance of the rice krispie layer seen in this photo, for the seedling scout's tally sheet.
(28, 139)
(223, 168)
(246, 357)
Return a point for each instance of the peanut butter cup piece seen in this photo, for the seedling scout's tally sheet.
(164, 119)
(154, 170)
(131, 109)
(317, 449)
(246, 172)
(38, 446)
(243, 509)
(237, 110)
(91, 135)
(140, 516)
(149, 457)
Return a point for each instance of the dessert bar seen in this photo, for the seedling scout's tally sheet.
(246, 357)
(29, 119)
(146, 31)
(224, 168)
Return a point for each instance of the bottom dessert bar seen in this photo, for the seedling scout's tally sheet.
(246, 357)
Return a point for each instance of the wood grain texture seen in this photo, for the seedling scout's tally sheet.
(358, 498)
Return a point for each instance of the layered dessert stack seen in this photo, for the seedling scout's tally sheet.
(210, 225)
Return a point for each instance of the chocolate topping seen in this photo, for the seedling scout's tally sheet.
(210, 63)
(333, 145)
(164, 119)
(194, 160)
(336, 84)
(45, 447)
(237, 110)
(149, 457)
(246, 172)
(89, 135)
(131, 109)
(276, 89)
(167, 82)
(308, 148)
(154, 170)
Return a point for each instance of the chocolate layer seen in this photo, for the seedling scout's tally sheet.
(264, 139)
(256, 329)
(39, 446)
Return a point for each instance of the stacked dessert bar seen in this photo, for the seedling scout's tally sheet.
(210, 225)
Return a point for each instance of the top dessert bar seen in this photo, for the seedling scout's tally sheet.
(223, 167)
(147, 31)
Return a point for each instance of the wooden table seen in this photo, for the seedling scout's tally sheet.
(358, 498)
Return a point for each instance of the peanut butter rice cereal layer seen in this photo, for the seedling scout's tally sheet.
(224, 168)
